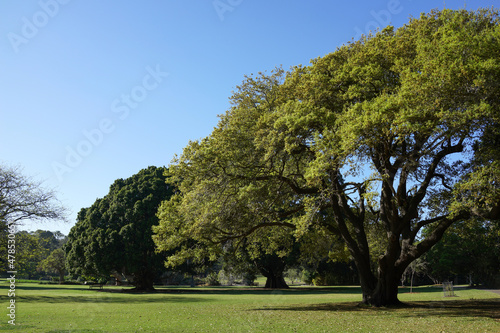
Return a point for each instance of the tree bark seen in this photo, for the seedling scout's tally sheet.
(379, 289)
(143, 282)
(386, 291)
(383, 289)
(272, 267)
(276, 282)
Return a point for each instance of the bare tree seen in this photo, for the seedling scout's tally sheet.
(22, 198)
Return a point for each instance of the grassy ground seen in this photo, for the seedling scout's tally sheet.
(53, 308)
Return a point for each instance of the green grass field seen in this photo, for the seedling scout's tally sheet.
(54, 308)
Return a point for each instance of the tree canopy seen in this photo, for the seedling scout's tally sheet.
(384, 131)
(114, 235)
(32, 248)
(54, 263)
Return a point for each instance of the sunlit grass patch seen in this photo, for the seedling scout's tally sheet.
(53, 308)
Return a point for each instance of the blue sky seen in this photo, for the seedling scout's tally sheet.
(92, 91)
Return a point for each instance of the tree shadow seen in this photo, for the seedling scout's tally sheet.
(488, 308)
(75, 331)
(426, 289)
(102, 298)
(52, 287)
(224, 290)
(33, 328)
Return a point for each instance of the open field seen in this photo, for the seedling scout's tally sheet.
(68, 308)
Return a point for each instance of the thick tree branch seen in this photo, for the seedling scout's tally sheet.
(251, 231)
(437, 234)
(431, 173)
(424, 223)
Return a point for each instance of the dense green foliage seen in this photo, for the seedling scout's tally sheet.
(383, 134)
(29, 254)
(32, 248)
(55, 263)
(113, 236)
(469, 250)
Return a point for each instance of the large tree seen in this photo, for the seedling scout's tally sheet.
(378, 135)
(113, 236)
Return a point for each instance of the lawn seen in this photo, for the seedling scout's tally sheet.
(54, 308)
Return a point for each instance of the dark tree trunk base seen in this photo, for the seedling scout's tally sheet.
(143, 281)
(143, 289)
(272, 267)
(276, 282)
(385, 292)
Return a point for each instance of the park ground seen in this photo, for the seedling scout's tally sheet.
(76, 308)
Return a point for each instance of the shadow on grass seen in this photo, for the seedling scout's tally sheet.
(75, 331)
(488, 308)
(52, 287)
(223, 290)
(459, 308)
(24, 328)
(101, 298)
(163, 295)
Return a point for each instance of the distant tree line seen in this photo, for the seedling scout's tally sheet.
(39, 255)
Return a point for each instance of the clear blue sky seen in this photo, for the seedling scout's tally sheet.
(92, 91)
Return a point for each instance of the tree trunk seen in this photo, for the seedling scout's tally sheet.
(383, 289)
(276, 282)
(143, 282)
(386, 292)
(272, 267)
(411, 285)
(144, 286)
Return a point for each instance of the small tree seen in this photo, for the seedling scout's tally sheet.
(55, 263)
(418, 266)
